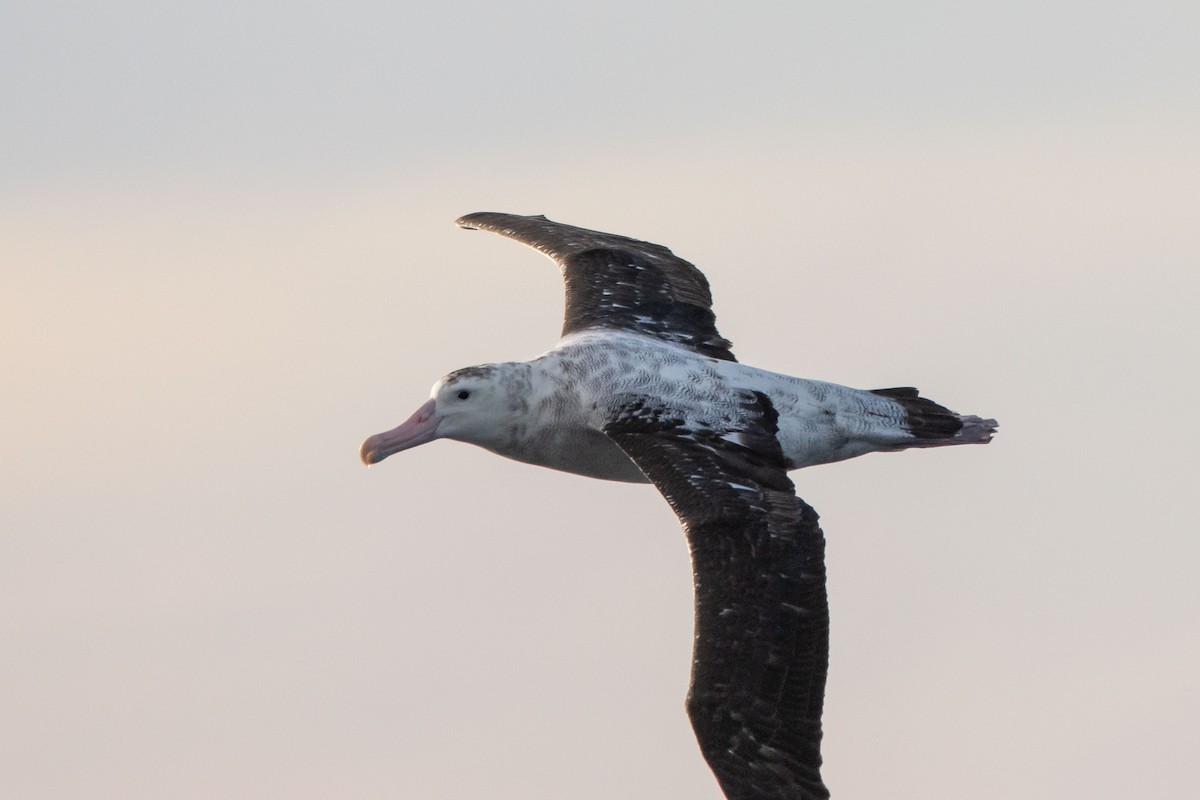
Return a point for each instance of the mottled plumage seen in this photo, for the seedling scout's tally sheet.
(642, 387)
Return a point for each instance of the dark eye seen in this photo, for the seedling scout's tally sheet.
(463, 394)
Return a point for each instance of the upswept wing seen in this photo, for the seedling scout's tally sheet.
(762, 618)
(614, 282)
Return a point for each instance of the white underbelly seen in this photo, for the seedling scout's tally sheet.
(581, 451)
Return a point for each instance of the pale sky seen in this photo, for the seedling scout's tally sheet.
(227, 244)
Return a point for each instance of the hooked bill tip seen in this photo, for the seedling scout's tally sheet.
(418, 429)
(367, 454)
(373, 450)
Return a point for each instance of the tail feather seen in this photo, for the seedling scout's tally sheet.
(976, 430)
(934, 425)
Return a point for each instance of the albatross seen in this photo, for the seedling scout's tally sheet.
(642, 388)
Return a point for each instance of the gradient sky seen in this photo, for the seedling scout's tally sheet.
(228, 256)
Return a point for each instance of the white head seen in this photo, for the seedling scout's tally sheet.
(480, 405)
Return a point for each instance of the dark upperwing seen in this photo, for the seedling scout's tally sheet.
(619, 283)
(762, 618)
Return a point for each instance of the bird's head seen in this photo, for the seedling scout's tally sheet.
(478, 405)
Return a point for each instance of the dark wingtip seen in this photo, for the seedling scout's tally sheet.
(491, 220)
(467, 221)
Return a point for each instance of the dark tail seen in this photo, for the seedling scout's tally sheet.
(934, 425)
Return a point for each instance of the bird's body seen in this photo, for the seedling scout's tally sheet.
(557, 405)
(642, 387)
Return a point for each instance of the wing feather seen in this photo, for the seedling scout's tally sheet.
(619, 283)
(762, 619)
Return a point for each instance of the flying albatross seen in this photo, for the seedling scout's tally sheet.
(641, 387)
